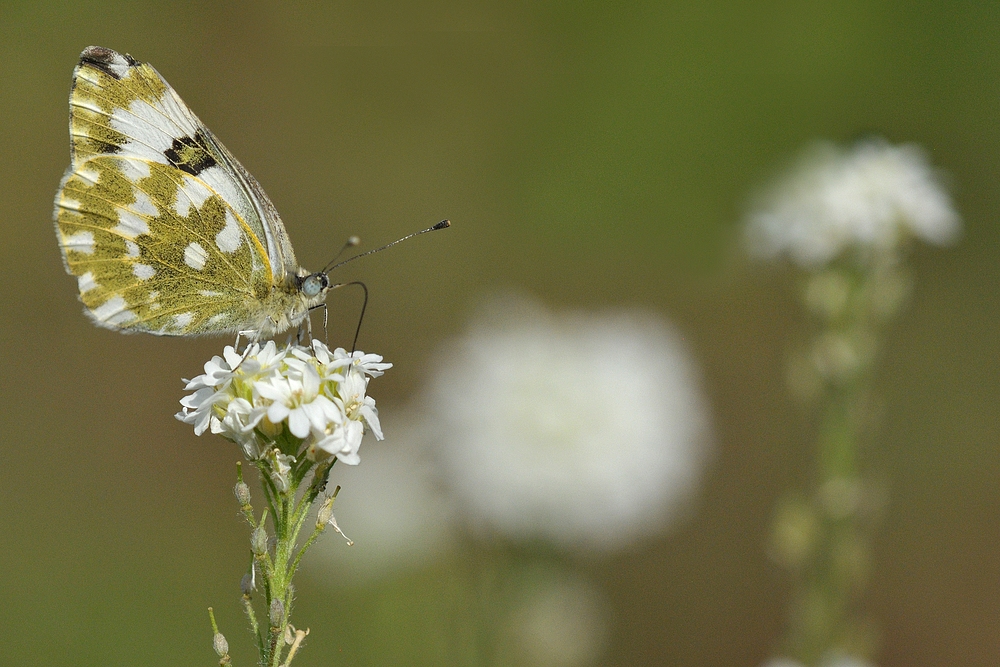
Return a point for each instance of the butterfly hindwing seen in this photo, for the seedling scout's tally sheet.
(166, 232)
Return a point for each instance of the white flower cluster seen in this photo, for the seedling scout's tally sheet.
(283, 403)
(586, 429)
(868, 197)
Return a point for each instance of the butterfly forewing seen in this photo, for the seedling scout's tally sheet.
(165, 230)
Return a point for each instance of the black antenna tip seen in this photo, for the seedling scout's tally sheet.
(442, 224)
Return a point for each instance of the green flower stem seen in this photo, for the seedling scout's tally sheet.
(252, 618)
(838, 437)
(298, 557)
(289, 515)
(823, 615)
(270, 491)
(854, 302)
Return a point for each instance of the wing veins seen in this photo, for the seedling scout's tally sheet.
(174, 311)
(233, 169)
(185, 273)
(162, 262)
(177, 225)
(184, 131)
(131, 137)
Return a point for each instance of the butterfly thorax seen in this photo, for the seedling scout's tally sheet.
(288, 305)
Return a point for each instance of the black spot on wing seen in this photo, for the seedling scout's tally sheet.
(102, 147)
(106, 60)
(190, 154)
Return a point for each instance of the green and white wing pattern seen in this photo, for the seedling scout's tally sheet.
(166, 232)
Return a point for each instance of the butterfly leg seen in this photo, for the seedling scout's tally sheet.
(326, 321)
(250, 335)
(304, 329)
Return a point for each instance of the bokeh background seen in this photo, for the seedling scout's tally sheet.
(589, 155)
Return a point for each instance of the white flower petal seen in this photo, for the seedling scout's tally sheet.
(298, 423)
(277, 412)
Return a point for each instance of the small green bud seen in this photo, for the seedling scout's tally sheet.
(220, 645)
(841, 497)
(827, 294)
(258, 541)
(836, 356)
(276, 614)
(242, 493)
(795, 533)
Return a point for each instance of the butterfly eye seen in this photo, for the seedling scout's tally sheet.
(314, 284)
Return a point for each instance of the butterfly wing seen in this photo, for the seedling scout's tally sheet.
(165, 230)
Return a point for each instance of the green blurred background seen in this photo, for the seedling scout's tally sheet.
(588, 154)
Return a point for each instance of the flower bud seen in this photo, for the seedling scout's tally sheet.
(258, 541)
(276, 613)
(841, 497)
(220, 645)
(325, 513)
(242, 493)
(247, 583)
(836, 356)
(795, 533)
(827, 294)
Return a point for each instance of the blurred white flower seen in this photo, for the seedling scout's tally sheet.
(782, 662)
(833, 660)
(868, 197)
(282, 402)
(585, 429)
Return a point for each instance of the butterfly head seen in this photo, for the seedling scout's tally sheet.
(313, 285)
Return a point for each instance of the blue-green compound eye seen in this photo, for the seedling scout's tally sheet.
(314, 284)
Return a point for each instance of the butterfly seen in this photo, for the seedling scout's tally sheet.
(165, 231)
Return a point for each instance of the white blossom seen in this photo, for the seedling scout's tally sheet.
(342, 440)
(239, 425)
(296, 397)
(278, 403)
(583, 428)
(870, 197)
(369, 364)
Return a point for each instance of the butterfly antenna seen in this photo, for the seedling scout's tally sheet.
(331, 266)
(351, 242)
(364, 306)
